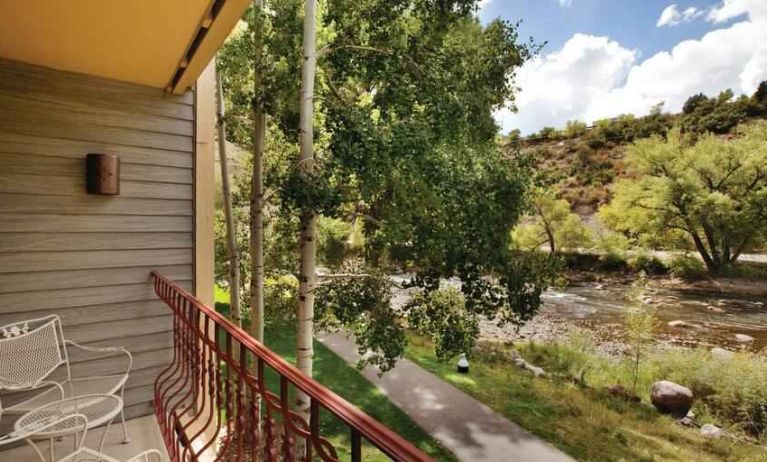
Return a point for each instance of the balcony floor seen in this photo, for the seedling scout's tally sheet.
(143, 431)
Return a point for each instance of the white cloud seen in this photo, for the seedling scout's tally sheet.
(755, 71)
(558, 87)
(730, 9)
(595, 77)
(484, 4)
(672, 15)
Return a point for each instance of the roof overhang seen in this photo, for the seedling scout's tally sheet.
(160, 43)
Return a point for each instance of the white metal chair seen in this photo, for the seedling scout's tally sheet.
(33, 354)
(79, 423)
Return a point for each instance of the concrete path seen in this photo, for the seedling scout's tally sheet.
(468, 428)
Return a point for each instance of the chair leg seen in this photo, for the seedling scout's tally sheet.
(104, 436)
(126, 438)
(37, 449)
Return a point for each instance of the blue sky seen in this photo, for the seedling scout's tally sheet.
(606, 57)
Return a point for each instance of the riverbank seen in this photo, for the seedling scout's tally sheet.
(571, 407)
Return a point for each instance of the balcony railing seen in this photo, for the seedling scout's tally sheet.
(215, 398)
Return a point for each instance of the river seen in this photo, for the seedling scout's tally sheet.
(707, 319)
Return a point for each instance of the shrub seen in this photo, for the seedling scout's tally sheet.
(332, 240)
(747, 270)
(726, 390)
(687, 267)
(639, 322)
(613, 247)
(280, 300)
(574, 358)
(574, 129)
(549, 133)
(647, 263)
(429, 313)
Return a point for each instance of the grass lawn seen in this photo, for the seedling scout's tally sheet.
(334, 373)
(585, 423)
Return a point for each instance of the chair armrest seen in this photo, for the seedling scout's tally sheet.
(14, 387)
(103, 350)
(144, 456)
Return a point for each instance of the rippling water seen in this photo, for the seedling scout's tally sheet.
(710, 319)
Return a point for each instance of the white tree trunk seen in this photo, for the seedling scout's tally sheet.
(257, 199)
(233, 252)
(304, 348)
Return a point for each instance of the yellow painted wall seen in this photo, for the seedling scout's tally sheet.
(205, 184)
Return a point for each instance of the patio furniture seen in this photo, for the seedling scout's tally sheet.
(97, 409)
(76, 423)
(32, 356)
(89, 455)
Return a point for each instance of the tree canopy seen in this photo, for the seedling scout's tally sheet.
(713, 192)
(406, 144)
(553, 224)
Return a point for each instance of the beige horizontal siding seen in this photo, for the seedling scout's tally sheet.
(13, 143)
(26, 164)
(88, 258)
(94, 205)
(48, 242)
(57, 223)
(67, 279)
(52, 185)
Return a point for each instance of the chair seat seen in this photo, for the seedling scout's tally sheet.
(107, 385)
(87, 455)
(97, 410)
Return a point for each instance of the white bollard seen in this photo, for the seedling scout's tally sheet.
(463, 364)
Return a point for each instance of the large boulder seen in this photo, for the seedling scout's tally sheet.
(671, 398)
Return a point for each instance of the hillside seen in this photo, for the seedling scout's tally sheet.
(584, 161)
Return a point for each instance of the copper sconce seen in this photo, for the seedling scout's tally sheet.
(102, 174)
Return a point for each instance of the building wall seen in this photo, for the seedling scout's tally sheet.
(84, 257)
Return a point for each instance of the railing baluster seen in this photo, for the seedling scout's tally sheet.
(356, 443)
(288, 452)
(241, 421)
(197, 390)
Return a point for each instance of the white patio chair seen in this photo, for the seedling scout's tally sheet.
(80, 454)
(32, 356)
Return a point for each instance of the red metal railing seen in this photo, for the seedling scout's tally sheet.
(215, 398)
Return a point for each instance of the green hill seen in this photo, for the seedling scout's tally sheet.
(583, 161)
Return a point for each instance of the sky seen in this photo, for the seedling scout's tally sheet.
(603, 58)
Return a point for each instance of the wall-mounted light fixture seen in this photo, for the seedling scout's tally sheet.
(102, 174)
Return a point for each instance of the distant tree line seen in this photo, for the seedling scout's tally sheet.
(700, 114)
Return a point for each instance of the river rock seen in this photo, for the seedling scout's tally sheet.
(721, 353)
(682, 325)
(537, 371)
(671, 398)
(714, 309)
(520, 362)
(619, 391)
(743, 338)
(711, 431)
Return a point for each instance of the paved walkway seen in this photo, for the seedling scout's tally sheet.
(471, 430)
